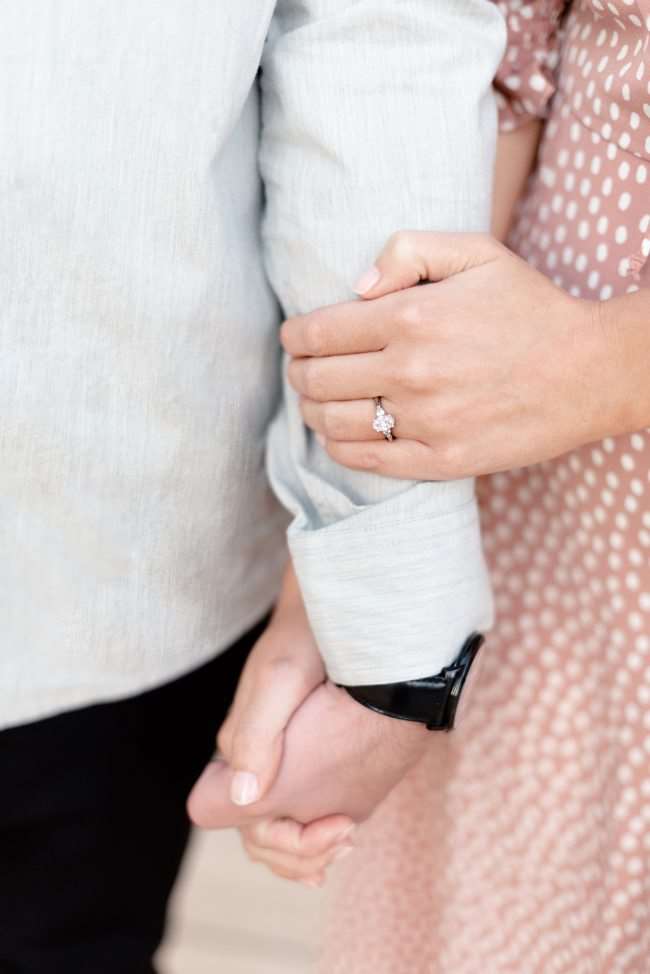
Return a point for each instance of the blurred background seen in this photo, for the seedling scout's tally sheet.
(230, 916)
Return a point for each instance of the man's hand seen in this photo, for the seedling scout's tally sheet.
(339, 757)
(335, 761)
(283, 668)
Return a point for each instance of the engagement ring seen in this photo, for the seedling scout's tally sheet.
(383, 422)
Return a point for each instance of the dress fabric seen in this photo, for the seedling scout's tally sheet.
(521, 844)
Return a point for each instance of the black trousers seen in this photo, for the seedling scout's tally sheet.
(93, 824)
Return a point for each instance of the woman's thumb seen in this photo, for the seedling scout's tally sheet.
(414, 256)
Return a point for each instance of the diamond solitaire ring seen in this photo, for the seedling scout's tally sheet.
(383, 422)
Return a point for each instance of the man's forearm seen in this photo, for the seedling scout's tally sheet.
(367, 105)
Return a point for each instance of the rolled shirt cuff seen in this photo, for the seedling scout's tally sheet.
(393, 592)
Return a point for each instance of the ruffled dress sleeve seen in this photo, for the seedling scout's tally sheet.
(527, 78)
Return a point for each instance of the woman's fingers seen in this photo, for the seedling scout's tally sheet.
(285, 865)
(401, 458)
(341, 329)
(339, 376)
(314, 839)
(346, 428)
(350, 420)
(288, 851)
(411, 256)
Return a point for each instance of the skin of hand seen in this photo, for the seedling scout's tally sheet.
(488, 368)
(282, 670)
(322, 762)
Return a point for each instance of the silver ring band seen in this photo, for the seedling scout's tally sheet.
(383, 422)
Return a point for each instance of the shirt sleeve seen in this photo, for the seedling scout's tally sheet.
(527, 77)
(378, 115)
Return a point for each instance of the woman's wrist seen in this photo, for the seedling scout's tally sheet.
(620, 336)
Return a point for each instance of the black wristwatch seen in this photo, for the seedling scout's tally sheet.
(432, 700)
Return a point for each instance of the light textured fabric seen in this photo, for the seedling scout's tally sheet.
(138, 331)
(378, 116)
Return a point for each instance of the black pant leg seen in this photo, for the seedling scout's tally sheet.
(93, 823)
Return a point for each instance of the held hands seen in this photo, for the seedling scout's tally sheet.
(302, 761)
(490, 368)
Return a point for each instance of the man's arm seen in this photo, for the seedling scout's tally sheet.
(378, 114)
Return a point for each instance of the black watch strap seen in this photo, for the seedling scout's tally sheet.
(428, 700)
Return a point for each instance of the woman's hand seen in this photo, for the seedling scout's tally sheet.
(340, 760)
(490, 368)
(281, 673)
(301, 761)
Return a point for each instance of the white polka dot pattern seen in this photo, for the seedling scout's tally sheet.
(521, 845)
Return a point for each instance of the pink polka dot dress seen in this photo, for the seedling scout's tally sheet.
(521, 845)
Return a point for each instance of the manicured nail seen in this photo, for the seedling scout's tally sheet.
(342, 852)
(245, 788)
(367, 280)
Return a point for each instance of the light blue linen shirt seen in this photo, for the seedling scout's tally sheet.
(140, 296)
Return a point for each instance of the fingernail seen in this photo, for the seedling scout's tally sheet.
(367, 280)
(321, 439)
(244, 788)
(342, 852)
